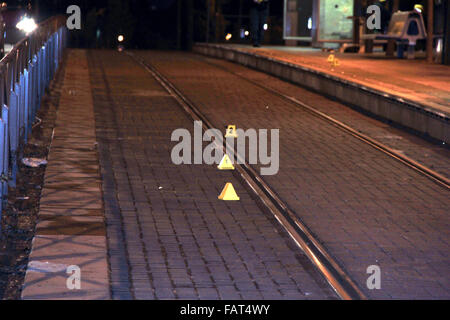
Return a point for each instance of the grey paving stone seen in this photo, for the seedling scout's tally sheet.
(183, 226)
(347, 192)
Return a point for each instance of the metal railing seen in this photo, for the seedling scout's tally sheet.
(25, 72)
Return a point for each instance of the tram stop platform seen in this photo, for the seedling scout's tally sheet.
(121, 218)
(411, 93)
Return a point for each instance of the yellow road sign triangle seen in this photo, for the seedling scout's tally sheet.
(225, 163)
(228, 193)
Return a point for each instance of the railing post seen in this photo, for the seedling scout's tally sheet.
(47, 61)
(53, 55)
(26, 113)
(3, 138)
(27, 72)
(34, 88)
(41, 63)
(4, 153)
(21, 109)
(13, 136)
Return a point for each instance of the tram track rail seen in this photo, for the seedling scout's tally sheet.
(423, 170)
(327, 266)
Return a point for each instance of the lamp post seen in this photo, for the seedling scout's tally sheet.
(430, 11)
(178, 24)
(217, 20)
(190, 24)
(207, 19)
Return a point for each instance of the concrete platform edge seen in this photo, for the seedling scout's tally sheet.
(410, 114)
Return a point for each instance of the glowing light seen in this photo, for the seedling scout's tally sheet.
(246, 33)
(120, 38)
(418, 8)
(439, 46)
(26, 25)
(228, 36)
(265, 27)
(309, 23)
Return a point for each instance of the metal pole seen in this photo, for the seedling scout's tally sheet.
(190, 24)
(391, 43)
(395, 6)
(36, 9)
(216, 21)
(430, 9)
(179, 24)
(207, 20)
(240, 17)
(446, 44)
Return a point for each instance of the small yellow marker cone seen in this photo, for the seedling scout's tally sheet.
(334, 62)
(231, 131)
(228, 193)
(331, 58)
(225, 163)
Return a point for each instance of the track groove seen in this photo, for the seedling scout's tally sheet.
(429, 173)
(318, 255)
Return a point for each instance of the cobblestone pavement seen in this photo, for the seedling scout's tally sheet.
(168, 234)
(415, 79)
(432, 155)
(366, 208)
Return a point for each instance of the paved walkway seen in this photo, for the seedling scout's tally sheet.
(140, 227)
(137, 225)
(416, 80)
(70, 230)
(169, 237)
(365, 207)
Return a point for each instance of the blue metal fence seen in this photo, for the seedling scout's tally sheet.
(25, 72)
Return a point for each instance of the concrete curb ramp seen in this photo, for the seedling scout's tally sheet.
(410, 114)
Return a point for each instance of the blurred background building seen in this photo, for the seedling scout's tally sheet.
(177, 24)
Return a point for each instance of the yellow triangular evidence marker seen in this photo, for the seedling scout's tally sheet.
(231, 131)
(225, 163)
(228, 193)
